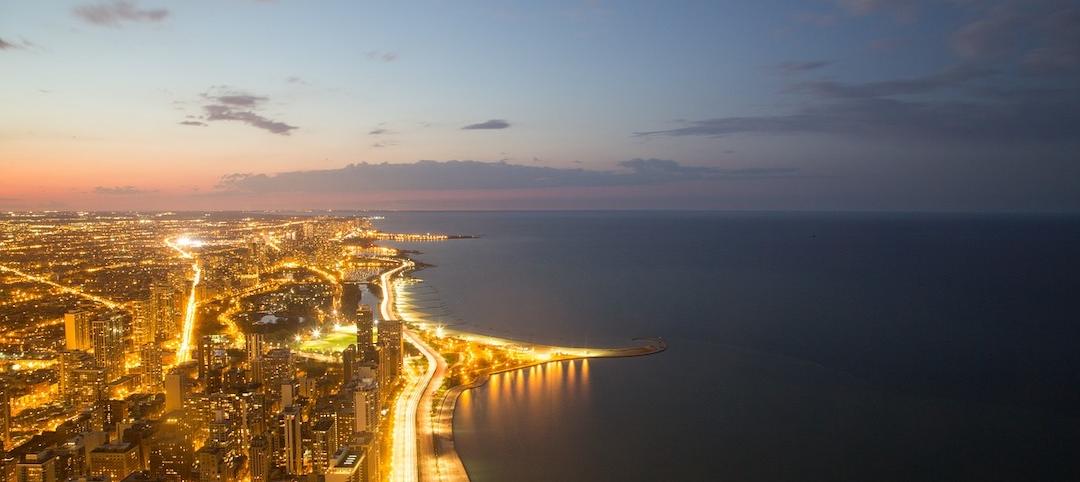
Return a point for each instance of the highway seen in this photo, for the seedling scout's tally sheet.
(183, 352)
(423, 446)
(404, 462)
(65, 289)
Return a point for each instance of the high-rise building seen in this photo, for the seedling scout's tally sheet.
(350, 300)
(324, 444)
(213, 354)
(77, 331)
(390, 353)
(294, 448)
(348, 466)
(115, 461)
(143, 328)
(365, 334)
(69, 362)
(348, 364)
(175, 391)
(108, 341)
(5, 418)
(259, 459)
(150, 359)
(277, 370)
(172, 457)
(37, 466)
(366, 406)
(212, 465)
(165, 308)
(88, 386)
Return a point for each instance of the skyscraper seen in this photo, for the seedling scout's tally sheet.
(5, 418)
(259, 459)
(143, 323)
(294, 449)
(390, 363)
(366, 406)
(348, 364)
(365, 334)
(150, 359)
(277, 369)
(37, 466)
(350, 300)
(165, 308)
(77, 331)
(108, 341)
(324, 444)
(174, 391)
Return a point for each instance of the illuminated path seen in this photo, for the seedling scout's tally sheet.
(403, 464)
(183, 352)
(65, 289)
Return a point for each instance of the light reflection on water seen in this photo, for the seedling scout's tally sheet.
(526, 400)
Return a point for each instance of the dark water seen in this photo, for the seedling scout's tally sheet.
(802, 346)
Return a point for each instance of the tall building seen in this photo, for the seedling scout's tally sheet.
(277, 368)
(259, 459)
(294, 448)
(77, 331)
(175, 391)
(69, 362)
(253, 346)
(348, 364)
(366, 406)
(365, 334)
(390, 353)
(323, 444)
(213, 354)
(165, 308)
(37, 466)
(212, 465)
(5, 418)
(150, 359)
(348, 466)
(350, 300)
(108, 341)
(143, 328)
(172, 457)
(88, 386)
(115, 461)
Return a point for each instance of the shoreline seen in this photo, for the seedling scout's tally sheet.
(437, 441)
(449, 401)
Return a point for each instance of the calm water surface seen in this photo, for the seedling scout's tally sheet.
(802, 346)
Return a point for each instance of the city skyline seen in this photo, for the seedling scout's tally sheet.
(778, 105)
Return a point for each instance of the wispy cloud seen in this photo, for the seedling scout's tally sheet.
(489, 124)
(118, 11)
(460, 175)
(5, 45)
(228, 105)
(795, 67)
(120, 190)
(1021, 119)
(382, 56)
(951, 77)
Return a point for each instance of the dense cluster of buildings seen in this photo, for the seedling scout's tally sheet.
(243, 408)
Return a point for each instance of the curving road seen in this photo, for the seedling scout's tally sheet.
(405, 461)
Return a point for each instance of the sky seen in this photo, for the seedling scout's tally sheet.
(893, 105)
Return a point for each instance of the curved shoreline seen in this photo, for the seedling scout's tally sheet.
(448, 404)
(437, 442)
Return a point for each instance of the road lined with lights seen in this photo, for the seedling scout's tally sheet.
(66, 289)
(404, 463)
(183, 352)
